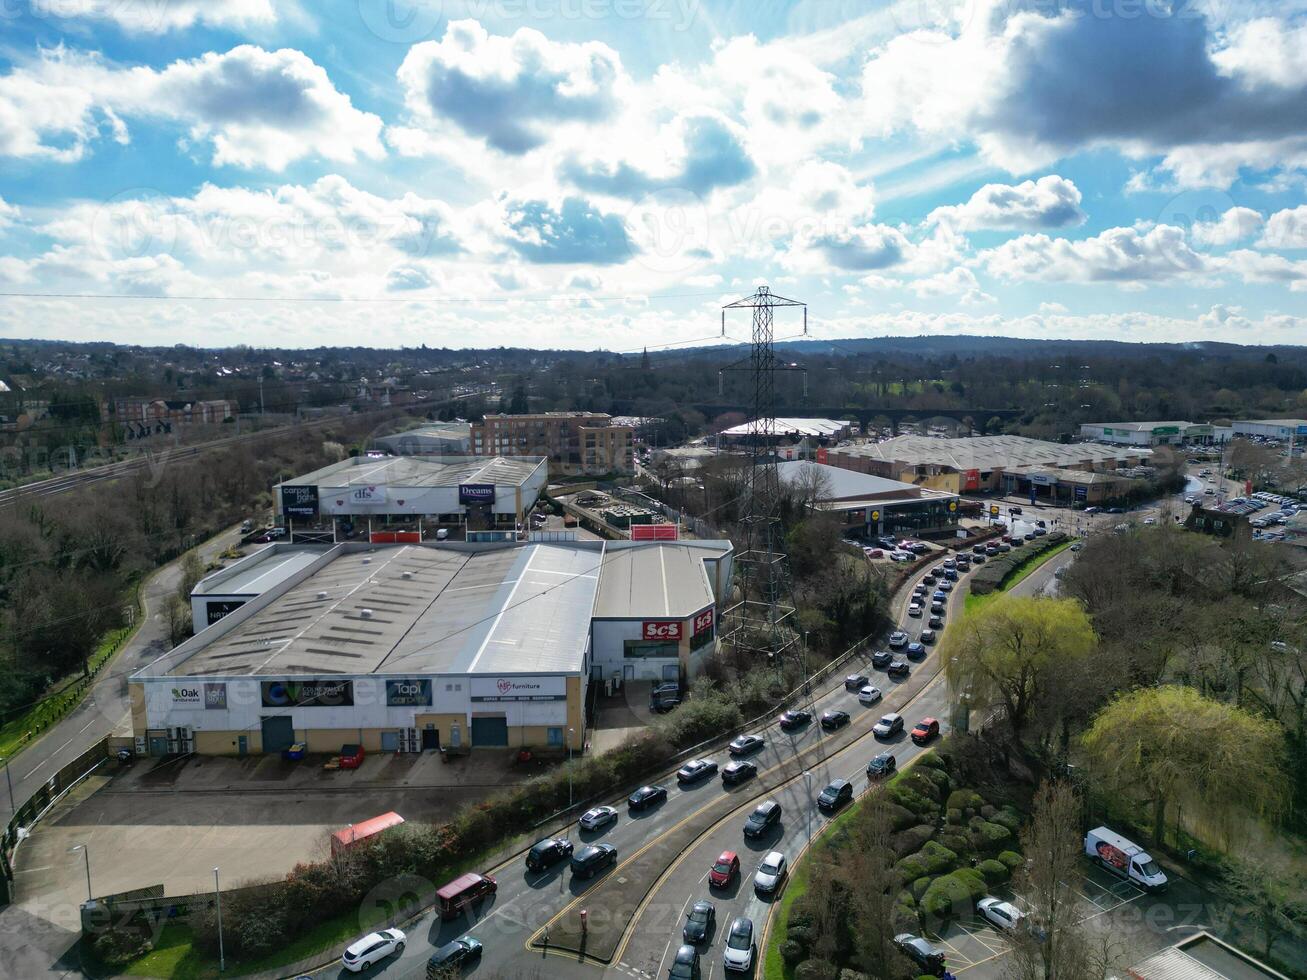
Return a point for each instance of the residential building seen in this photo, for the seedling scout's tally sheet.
(574, 442)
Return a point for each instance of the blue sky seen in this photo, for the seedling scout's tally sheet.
(606, 173)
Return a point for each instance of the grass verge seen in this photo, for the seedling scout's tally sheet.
(1019, 574)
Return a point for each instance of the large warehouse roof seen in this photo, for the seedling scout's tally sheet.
(421, 471)
(655, 580)
(261, 571)
(796, 427)
(841, 483)
(987, 453)
(416, 609)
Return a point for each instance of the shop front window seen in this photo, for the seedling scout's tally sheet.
(645, 649)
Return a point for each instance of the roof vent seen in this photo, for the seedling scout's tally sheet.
(406, 575)
(365, 614)
(322, 595)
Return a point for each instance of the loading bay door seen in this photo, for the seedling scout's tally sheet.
(278, 733)
(490, 731)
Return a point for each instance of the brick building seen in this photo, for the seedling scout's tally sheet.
(575, 442)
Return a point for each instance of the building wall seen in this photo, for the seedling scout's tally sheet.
(609, 638)
(1268, 431)
(560, 436)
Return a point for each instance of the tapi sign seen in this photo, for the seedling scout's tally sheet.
(661, 629)
(408, 693)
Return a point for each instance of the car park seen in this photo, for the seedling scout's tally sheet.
(646, 797)
(695, 770)
(685, 964)
(724, 870)
(898, 639)
(699, 922)
(916, 650)
(991, 550)
(835, 795)
(764, 817)
(771, 873)
(593, 858)
(738, 772)
(740, 947)
(855, 681)
(453, 955)
(597, 817)
(745, 744)
(997, 912)
(548, 852)
(881, 766)
(869, 695)
(928, 637)
(920, 952)
(794, 718)
(888, 726)
(880, 660)
(925, 730)
(899, 668)
(831, 720)
(372, 949)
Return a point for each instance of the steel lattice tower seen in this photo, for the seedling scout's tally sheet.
(762, 620)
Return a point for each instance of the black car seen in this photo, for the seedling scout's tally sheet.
(1014, 510)
(695, 770)
(738, 772)
(856, 682)
(699, 922)
(928, 637)
(458, 953)
(937, 608)
(978, 559)
(880, 660)
(920, 952)
(899, 668)
(831, 720)
(929, 580)
(764, 817)
(935, 622)
(685, 965)
(593, 858)
(950, 576)
(881, 766)
(646, 796)
(834, 796)
(977, 549)
(668, 690)
(1040, 531)
(1030, 535)
(793, 719)
(745, 744)
(548, 852)
(663, 705)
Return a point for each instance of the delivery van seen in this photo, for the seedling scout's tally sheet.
(1124, 858)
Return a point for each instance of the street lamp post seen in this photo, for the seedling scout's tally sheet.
(9, 779)
(86, 853)
(217, 895)
(570, 733)
(807, 784)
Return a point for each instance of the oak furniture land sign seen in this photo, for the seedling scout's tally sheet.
(702, 622)
(368, 495)
(484, 689)
(408, 693)
(307, 694)
(661, 629)
(476, 493)
(299, 501)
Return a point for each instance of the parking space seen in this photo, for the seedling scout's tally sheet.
(970, 942)
(1104, 891)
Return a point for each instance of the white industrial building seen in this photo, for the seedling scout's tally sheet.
(1147, 433)
(407, 648)
(434, 439)
(1281, 429)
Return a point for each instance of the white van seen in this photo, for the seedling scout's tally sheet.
(1124, 858)
(442, 534)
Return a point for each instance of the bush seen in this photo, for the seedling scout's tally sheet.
(801, 935)
(953, 893)
(847, 974)
(900, 816)
(919, 781)
(988, 810)
(956, 841)
(1009, 817)
(961, 799)
(792, 952)
(815, 970)
(933, 859)
(906, 796)
(118, 947)
(911, 840)
(1012, 859)
(919, 887)
(991, 836)
(954, 815)
(995, 872)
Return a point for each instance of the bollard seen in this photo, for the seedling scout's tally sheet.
(584, 919)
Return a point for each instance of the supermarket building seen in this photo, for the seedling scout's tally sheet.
(419, 647)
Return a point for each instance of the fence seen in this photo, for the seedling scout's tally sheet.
(697, 525)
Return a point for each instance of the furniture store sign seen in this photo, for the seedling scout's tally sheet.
(367, 495)
(476, 493)
(486, 689)
(661, 629)
(212, 696)
(307, 694)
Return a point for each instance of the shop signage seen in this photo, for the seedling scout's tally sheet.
(215, 696)
(408, 693)
(875, 516)
(485, 689)
(307, 694)
(214, 610)
(187, 696)
(952, 505)
(661, 629)
(993, 510)
(1042, 479)
(972, 481)
(368, 495)
(703, 621)
(1082, 493)
(299, 501)
(476, 493)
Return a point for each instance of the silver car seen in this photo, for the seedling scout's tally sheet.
(600, 816)
(771, 872)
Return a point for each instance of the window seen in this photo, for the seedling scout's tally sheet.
(555, 736)
(639, 649)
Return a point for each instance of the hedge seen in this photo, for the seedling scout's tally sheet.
(934, 858)
(992, 575)
(1012, 859)
(995, 872)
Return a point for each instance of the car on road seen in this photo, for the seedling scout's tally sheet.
(458, 953)
(724, 870)
(770, 874)
(946, 586)
(928, 637)
(898, 639)
(881, 766)
(835, 795)
(916, 649)
(740, 947)
(888, 726)
(899, 668)
(373, 948)
(914, 610)
(738, 772)
(745, 744)
(831, 720)
(855, 681)
(939, 595)
(920, 952)
(978, 559)
(794, 718)
(930, 579)
(699, 922)
(1004, 548)
(593, 858)
(1077, 546)
(925, 730)
(869, 695)
(600, 816)
(881, 659)
(950, 563)
(950, 576)
(548, 852)
(646, 797)
(937, 609)
(997, 912)
(1091, 510)
(935, 622)
(695, 770)
(1150, 521)
(764, 817)
(685, 964)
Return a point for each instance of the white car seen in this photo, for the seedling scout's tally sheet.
(598, 817)
(869, 695)
(740, 947)
(770, 873)
(373, 948)
(997, 912)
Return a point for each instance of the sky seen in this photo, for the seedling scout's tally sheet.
(609, 173)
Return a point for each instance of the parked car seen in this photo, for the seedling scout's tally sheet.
(881, 766)
(695, 770)
(646, 797)
(372, 949)
(835, 795)
(685, 964)
(881, 659)
(458, 953)
(855, 682)
(771, 873)
(795, 718)
(831, 720)
(596, 817)
(1003, 914)
(724, 870)
(764, 817)
(548, 852)
(920, 952)
(928, 637)
(740, 947)
(699, 922)
(888, 726)
(745, 744)
(899, 668)
(593, 858)
(926, 729)
(351, 756)
(738, 772)
(869, 695)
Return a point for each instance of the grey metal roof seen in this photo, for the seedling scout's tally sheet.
(1137, 426)
(654, 580)
(260, 572)
(844, 483)
(990, 452)
(421, 471)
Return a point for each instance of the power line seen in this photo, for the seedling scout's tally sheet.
(387, 300)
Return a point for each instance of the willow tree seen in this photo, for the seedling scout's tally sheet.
(1171, 747)
(1004, 654)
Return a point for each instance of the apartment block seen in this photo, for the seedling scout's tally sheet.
(575, 442)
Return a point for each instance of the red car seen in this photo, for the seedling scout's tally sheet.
(351, 756)
(926, 729)
(724, 869)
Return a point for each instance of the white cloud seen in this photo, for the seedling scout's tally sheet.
(1235, 225)
(1222, 317)
(160, 16)
(1052, 308)
(1120, 255)
(8, 213)
(959, 281)
(1262, 267)
(1033, 205)
(1286, 229)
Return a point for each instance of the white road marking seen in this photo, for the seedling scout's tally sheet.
(663, 958)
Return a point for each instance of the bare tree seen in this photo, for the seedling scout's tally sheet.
(868, 866)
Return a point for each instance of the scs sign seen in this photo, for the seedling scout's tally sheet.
(661, 629)
(703, 622)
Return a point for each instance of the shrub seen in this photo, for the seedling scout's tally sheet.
(919, 887)
(906, 796)
(801, 935)
(911, 840)
(954, 815)
(988, 810)
(956, 841)
(1009, 817)
(991, 836)
(961, 799)
(937, 776)
(931, 760)
(847, 974)
(802, 914)
(933, 858)
(815, 970)
(900, 816)
(118, 947)
(792, 952)
(1012, 859)
(953, 893)
(995, 872)
(918, 781)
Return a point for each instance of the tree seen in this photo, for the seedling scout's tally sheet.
(1170, 745)
(868, 865)
(1002, 654)
(1276, 901)
(192, 570)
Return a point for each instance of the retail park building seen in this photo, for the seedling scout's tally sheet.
(423, 646)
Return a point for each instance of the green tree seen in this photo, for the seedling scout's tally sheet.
(1004, 653)
(1170, 746)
